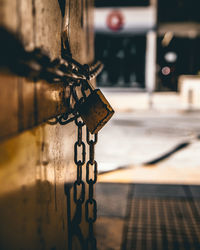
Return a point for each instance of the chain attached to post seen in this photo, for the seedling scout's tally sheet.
(37, 64)
(94, 109)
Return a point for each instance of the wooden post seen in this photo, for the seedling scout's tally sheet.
(36, 159)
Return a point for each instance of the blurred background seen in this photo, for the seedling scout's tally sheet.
(149, 153)
(133, 35)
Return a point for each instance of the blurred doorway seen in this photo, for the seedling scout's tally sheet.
(123, 58)
(179, 56)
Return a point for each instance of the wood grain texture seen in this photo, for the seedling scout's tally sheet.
(37, 24)
(36, 165)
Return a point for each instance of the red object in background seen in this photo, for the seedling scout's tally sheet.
(166, 70)
(115, 20)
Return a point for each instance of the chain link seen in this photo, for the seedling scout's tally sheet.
(37, 65)
(79, 161)
(91, 169)
(91, 205)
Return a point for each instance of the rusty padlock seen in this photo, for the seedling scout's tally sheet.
(95, 111)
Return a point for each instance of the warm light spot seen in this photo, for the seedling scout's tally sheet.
(166, 71)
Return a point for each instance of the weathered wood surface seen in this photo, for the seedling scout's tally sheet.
(36, 166)
(39, 24)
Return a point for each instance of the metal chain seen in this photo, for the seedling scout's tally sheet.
(37, 65)
(83, 86)
(79, 160)
(91, 179)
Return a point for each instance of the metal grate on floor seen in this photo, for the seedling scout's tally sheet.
(166, 219)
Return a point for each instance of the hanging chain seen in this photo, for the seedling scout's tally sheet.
(79, 160)
(91, 179)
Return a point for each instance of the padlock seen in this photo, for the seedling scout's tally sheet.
(95, 111)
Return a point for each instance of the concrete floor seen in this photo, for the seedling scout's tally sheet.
(134, 137)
